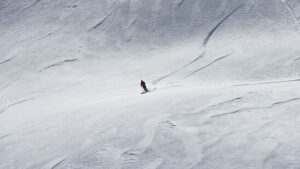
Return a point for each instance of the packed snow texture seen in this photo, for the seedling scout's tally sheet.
(224, 76)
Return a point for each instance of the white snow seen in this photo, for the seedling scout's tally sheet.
(224, 77)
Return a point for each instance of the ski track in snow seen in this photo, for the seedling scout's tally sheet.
(203, 53)
(255, 108)
(164, 77)
(15, 104)
(224, 102)
(271, 82)
(114, 12)
(101, 122)
(292, 11)
(58, 64)
(101, 22)
(8, 60)
(206, 40)
(216, 60)
(209, 35)
(54, 163)
(180, 3)
(208, 108)
(57, 164)
(251, 8)
(4, 136)
(197, 58)
(46, 36)
(32, 5)
(19, 102)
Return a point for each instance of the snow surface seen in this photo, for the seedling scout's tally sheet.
(225, 76)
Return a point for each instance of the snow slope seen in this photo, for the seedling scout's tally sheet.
(225, 77)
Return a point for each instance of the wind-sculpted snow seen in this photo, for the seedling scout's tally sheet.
(271, 155)
(225, 84)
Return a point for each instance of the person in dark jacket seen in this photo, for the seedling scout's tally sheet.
(143, 85)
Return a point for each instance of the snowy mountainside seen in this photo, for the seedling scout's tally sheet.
(224, 75)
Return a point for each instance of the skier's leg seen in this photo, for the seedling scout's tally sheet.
(145, 88)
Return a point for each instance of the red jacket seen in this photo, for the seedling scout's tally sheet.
(143, 84)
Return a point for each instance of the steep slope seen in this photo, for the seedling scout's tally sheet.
(225, 76)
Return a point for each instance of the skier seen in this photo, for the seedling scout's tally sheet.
(143, 85)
